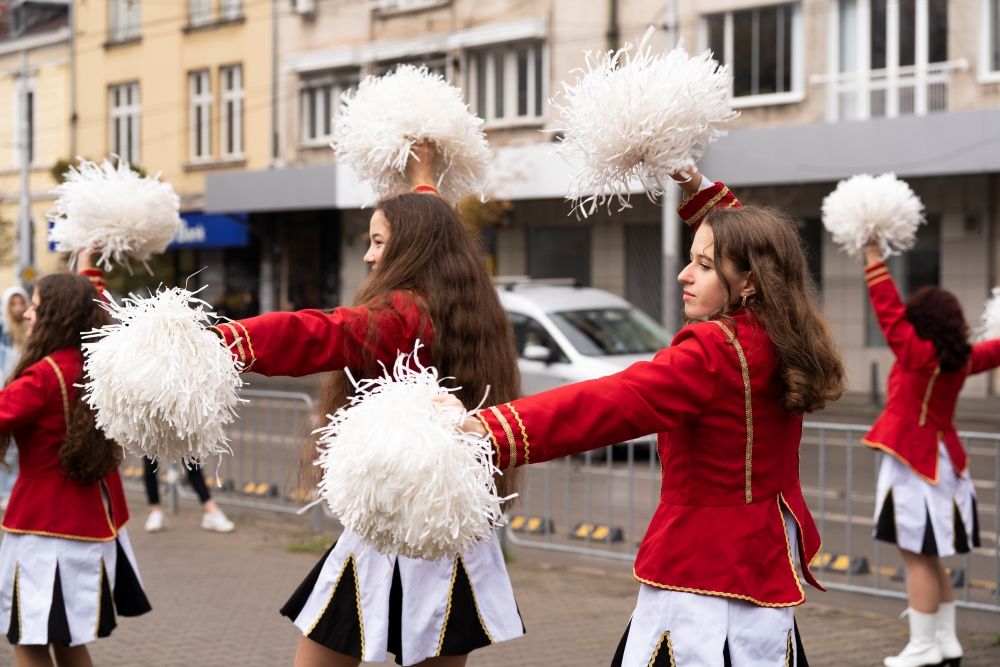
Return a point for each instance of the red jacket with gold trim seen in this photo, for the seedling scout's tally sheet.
(45, 500)
(314, 341)
(921, 399)
(729, 452)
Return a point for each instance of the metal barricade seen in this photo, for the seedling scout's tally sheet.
(263, 472)
(600, 506)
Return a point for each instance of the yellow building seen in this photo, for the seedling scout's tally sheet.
(184, 89)
(35, 88)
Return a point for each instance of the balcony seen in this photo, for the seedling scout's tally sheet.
(884, 93)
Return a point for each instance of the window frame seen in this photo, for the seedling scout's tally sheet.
(986, 44)
(798, 54)
(230, 10)
(25, 87)
(313, 85)
(200, 100)
(234, 96)
(200, 13)
(124, 21)
(130, 113)
(537, 68)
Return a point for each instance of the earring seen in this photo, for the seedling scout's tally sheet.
(743, 304)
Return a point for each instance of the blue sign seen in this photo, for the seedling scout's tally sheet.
(212, 230)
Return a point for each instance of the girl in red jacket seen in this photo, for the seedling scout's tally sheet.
(66, 565)
(428, 282)
(926, 503)
(722, 563)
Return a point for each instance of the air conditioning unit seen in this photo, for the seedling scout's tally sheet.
(305, 7)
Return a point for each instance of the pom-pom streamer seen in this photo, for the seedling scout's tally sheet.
(111, 210)
(989, 323)
(160, 383)
(880, 208)
(399, 473)
(379, 123)
(635, 116)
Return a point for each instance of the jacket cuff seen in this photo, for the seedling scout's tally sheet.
(237, 339)
(508, 435)
(96, 278)
(694, 209)
(877, 273)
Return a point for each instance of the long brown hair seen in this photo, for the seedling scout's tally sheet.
(67, 306)
(937, 316)
(765, 242)
(432, 254)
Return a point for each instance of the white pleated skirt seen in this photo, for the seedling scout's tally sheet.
(66, 592)
(920, 517)
(676, 629)
(364, 604)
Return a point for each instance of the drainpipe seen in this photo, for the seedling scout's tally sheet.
(670, 224)
(614, 33)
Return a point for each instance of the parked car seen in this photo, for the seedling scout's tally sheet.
(566, 334)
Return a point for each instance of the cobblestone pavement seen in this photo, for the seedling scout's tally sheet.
(215, 600)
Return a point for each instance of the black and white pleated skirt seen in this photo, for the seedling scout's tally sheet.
(677, 629)
(364, 604)
(920, 517)
(66, 592)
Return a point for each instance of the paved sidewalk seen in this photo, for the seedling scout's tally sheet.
(215, 600)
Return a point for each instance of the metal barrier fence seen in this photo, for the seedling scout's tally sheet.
(263, 473)
(600, 506)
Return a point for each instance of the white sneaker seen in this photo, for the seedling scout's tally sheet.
(156, 522)
(217, 521)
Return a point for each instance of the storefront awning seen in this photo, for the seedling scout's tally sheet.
(212, 230)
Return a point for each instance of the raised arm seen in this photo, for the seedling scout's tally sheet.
(85, 266)
(314, 341)
(701, 196)
(891, 313)
(647, 397)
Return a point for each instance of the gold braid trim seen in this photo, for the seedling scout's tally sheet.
(927, 396)
(745, 369)
(62, 388)
(708, 206)
(246, 336)
(237, 340)
(509, 433)
(789, 651)
(447, 610)
(876, 281)
(699, 591)
(489, 432)
(670, 650)
(524, 433)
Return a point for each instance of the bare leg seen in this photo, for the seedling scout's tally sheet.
(923, 581)
(944, 583)
(32, 656)
(72, 656)
(312, 654)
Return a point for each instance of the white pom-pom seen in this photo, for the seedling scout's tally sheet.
(379, 124)
(882, 208)
(161, 384)
(989, 324)
(111, 210)
(632, 115)
(397, 471)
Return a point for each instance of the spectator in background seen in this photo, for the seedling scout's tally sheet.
(13, 332)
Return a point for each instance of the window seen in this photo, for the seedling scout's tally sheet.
(24, 120)
(200, 114)
(319, 100)
(230, 10)
(123, 19)
(123, 130)
(911, 271)
(761, 48)
(507, 83)
(887, 66)
(231, 121)
(199, 12)
(530, 332)
(437, 63)
(394, 6)
(989, 60)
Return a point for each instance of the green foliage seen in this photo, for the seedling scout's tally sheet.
(61, 168)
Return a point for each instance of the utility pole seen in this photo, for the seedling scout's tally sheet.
(670, 231)
(25, 247)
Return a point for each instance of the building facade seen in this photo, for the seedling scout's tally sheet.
(183, 89)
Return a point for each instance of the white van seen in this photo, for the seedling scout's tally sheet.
(567, 334)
